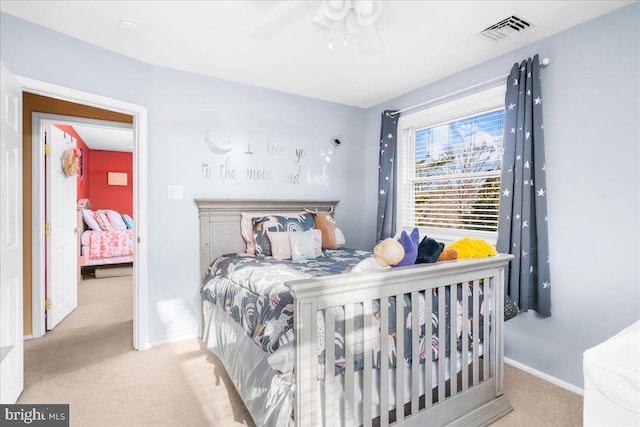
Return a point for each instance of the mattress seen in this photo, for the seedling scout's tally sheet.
(103, 261)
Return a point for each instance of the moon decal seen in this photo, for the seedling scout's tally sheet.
(218, 142)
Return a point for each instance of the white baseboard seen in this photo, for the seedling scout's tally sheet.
(549, 378)
(28, 337)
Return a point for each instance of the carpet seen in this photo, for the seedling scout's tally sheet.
(88, 362)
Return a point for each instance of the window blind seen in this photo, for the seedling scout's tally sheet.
(452, 174)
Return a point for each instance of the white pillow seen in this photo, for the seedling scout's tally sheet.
(87, 215)
(116, 220)
(281, 243)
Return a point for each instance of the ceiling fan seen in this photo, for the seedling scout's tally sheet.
(342, 19)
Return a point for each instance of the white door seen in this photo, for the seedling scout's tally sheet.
(11, 330)
(62, 250)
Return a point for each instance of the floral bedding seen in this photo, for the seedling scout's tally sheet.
(108, 244)
(252, 291)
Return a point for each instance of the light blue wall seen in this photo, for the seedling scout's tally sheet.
(591, 95)
(182, 109)
(591, 98)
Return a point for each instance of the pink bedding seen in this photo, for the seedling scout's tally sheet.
(108, 244)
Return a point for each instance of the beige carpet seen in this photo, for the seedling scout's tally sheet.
(88, 362)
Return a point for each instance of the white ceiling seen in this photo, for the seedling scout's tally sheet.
(106, 138)
(424, 40)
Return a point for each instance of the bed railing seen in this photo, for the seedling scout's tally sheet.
(475, 382)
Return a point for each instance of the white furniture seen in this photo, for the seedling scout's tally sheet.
(476, 395)
(612, 380)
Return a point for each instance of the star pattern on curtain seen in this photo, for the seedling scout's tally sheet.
(386, 172)
(522, 224)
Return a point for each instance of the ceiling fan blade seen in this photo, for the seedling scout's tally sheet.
(369, 41)
(282, 21)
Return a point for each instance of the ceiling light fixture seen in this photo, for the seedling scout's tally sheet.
(347, 17)
(131, 25)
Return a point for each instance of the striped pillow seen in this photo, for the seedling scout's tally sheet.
(102, 218)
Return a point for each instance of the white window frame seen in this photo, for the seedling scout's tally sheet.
(466, 106)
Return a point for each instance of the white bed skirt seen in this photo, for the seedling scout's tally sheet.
(269, 394)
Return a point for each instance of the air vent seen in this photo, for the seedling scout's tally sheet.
(505, 28)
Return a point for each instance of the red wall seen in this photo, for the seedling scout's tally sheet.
(93, 184)
(104, 196)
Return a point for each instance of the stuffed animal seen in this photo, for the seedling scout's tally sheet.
(386, 253)
(332, 237)
(71, 161)
(472, 248)
(410, 244)
(430, 250)
(448, 254)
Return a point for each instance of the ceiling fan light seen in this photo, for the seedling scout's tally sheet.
(322, 19)
(351, 24)
(335, 9)
(367, 11)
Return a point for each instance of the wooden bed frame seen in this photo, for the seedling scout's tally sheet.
(476, 397)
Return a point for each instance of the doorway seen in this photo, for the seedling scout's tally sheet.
(76, 201)
(33, 215)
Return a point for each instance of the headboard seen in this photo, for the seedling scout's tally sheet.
(220, 223)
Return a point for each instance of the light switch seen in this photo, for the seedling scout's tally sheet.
(175, 192)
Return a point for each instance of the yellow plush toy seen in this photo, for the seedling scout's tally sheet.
(472, 248)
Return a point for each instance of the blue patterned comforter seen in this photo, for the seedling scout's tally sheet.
(252, 291)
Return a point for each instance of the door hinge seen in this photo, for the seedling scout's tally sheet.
(47, 304)
(47, 150)
(47, 229)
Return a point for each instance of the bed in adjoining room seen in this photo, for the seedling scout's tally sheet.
(105, 237)
(280, 326)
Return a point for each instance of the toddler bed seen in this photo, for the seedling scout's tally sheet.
(313, 346)
(104, 237)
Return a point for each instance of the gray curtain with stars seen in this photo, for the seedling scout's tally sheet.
(387, 175)
(522, 223)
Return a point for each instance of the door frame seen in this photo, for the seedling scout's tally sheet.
(38, 217)
(140, 264)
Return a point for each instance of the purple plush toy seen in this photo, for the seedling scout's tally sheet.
(410, 245)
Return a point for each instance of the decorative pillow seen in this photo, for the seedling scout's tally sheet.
(246, 227)
(281, 243)
(128, 221)
(102, 219)
(116, 220)
(410, 245)
(303, 246)
(261, 225)
(87, 215)
(331, 237)
(429, 250)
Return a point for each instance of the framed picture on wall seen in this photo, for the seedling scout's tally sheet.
(117, 178)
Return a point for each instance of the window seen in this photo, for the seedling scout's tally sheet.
(449, 172)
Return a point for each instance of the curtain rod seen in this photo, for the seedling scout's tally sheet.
(545, 61)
